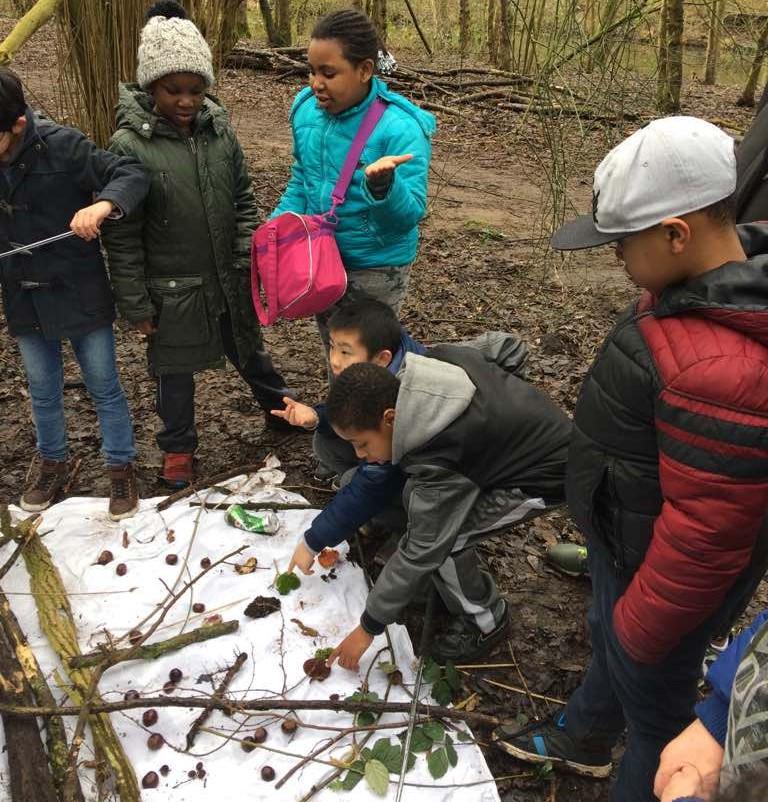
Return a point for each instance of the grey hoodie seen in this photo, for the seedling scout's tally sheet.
(464, 428)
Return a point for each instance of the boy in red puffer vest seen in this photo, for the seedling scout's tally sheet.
(668, 465)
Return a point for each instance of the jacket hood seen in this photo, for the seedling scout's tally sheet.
(432, 396)
(134, 111)
(734, 295)
(379, 88)
(407, 346)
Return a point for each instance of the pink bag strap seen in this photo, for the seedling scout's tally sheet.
(269, 281)
(371, 119)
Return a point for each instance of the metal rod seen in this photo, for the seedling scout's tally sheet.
(38, 244)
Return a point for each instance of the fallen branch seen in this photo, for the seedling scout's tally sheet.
(262, 705)
(152, 651)
(40, 13)
(219, 693)
(263, 505)
(196, 487)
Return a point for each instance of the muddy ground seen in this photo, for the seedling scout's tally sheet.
(481, 266)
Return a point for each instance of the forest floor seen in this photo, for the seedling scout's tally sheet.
(482, 265)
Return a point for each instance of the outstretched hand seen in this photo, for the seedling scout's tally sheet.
(303, 559)
(351, 649)
(386, 164)
(297, 414)
(694, 747)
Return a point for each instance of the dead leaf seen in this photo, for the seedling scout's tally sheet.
(212, 619)
(248, 567)
(170, 536)
(305, 630)
(533, 561)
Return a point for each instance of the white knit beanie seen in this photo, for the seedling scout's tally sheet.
(172, 45)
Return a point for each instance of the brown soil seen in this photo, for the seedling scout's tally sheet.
(481, 266)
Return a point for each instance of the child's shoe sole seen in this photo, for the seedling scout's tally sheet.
(598, 772)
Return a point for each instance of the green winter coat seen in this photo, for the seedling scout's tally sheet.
(183, 259)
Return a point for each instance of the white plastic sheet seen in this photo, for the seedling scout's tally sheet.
(78, 530)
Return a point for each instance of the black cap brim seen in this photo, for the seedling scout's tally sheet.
(581, 233)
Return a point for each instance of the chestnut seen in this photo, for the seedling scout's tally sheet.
(198, 607)
(149, 719)
(150, 780)
(248, 744)
(165, 770)
(134, 636)
(129, 695)
(171, 559)
(121, 569)
(259, 735)
(205, 563)
(105, 557)
(155, 741)
(289, 726)
(267, 774)
(175, 675)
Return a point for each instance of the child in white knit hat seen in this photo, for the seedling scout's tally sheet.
(181, 266)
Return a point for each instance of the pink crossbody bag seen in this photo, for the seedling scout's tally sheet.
(295, 261)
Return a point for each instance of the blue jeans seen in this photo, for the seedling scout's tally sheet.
(95, 353)
(653, 702)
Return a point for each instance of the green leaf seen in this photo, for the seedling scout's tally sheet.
(365, 719)
(464, 737)
(387, 668)
(285, 583)
(434, 730)
(336, 785)
(377, 777)
(442, 693)
(437, 763)
(452, 677)
(353, 776)
(419, 741)
(395, 760)
(323, 654)
(366, 754)
(382, 748)
(453, 758)
(431, 672)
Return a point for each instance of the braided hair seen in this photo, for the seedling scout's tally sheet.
(166, 8)
(354, 31)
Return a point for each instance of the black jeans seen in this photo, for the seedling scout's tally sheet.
(175, 397)
(653, 702)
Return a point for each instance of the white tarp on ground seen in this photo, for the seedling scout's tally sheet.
(78, 530)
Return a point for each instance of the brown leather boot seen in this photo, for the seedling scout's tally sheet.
(123, 492)
(47, 484)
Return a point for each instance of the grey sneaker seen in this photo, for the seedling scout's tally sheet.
(569, 559)
(547, 741)
(46, 486)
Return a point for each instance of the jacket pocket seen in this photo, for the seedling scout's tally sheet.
(182, 314)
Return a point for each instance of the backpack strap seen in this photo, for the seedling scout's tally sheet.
(372, 117)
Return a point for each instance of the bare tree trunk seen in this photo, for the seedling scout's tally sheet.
(716, 13)
(241, 25)
(379, 16)
(505, 36)
(269, 21)
(283, 22)
(670, 78)
(748, 95)
(464, 32)
(492, 32)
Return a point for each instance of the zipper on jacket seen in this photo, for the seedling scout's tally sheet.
(164, 184)
(615, 516)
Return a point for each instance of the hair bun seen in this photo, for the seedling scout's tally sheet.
(166, 8)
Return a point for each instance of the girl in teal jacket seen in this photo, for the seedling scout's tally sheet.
(378, 230)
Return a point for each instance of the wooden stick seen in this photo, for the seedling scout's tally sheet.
(262, 705)
(151, 651)
(219, 693)
(250, 505)
(203, 483)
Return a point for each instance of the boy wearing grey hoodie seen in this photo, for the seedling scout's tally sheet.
(481, 449)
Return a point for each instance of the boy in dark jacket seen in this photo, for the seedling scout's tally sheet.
(367, 330)
(480, 449)
(49, 179)
(668, 466)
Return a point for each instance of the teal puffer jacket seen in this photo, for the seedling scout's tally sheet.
(371, 232)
